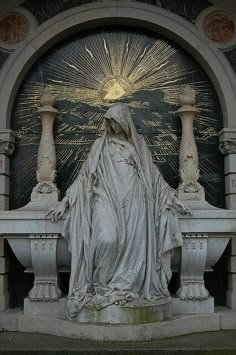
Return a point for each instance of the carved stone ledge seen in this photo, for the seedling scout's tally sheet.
(228, 146)
(6, 147)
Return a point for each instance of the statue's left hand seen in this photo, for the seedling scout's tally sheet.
(57, 213)
(180, 207)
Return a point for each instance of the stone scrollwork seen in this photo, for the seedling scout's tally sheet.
(6, 147)
(193, 261)
(43, 254)
(227, 146)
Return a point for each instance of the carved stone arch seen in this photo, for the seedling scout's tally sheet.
(135, 14)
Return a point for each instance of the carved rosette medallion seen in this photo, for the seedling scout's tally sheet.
(218, 26)
(15, 28)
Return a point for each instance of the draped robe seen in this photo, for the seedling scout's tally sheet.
(122, 225)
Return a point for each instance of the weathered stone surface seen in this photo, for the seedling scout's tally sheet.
(4, 265)
(135, 312)
(193, 306)
(53, 309)
(227, 320)
(3, 284)
(4, 301)
(231, 263)
(9, 321)
(141, 332)
(231, 299)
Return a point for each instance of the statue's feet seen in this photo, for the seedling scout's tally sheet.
(121, 302)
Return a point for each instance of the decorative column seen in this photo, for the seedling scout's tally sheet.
(7, 146)
(227, 146)
(189, 188)
(193, 297)
(46, 189)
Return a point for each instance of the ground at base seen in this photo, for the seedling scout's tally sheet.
(219, 343)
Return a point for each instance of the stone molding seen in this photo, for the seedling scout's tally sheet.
(143, 15)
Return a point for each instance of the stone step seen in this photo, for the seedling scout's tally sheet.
(217, 343)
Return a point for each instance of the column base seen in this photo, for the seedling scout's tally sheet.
(55, 308)
(193, 306)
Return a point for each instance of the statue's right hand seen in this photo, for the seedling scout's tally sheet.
(56, 213)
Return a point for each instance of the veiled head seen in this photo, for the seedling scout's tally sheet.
(120, 113)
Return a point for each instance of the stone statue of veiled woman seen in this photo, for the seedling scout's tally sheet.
(122, 223)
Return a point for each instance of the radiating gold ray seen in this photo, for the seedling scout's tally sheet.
(119, 56)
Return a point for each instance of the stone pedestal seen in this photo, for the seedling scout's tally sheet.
(53, 309)
(193, 306)
(135, 312)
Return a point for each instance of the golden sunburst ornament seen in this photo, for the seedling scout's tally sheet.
(111, 67)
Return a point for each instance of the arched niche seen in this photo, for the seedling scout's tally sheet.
(133, 14)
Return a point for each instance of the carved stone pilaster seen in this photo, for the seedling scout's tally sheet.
(193, 262)
(6, 147)
(43, 254)
(227, 146)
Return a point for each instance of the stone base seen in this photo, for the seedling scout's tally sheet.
(135, 312)
(42, 197)
(181, 325)
(186, 196)
(56, 308)
(193, 306)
